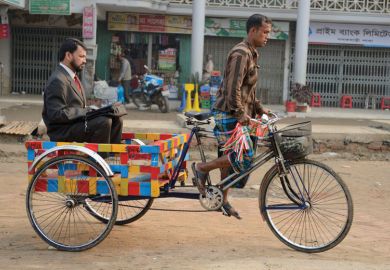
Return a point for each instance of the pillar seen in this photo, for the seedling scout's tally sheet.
(197, 39)
(301, 42)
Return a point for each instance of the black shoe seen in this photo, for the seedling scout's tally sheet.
(228, 210)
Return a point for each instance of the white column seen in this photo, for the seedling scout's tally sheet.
(286, 72)
(197, 39)
(150, 52)
(301, 42)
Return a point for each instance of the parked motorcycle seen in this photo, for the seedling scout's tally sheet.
(150, 91)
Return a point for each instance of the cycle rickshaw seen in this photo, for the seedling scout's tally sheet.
(75, 197)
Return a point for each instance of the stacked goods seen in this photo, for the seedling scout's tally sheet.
(215, 83)
(204, 96)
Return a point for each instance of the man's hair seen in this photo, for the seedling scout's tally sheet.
(256, 20)
(70, 45)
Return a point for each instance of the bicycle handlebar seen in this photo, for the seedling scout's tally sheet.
(266, 121)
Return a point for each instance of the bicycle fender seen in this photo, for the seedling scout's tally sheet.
(95, 156)
(262, 188)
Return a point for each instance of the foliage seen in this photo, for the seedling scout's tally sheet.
(301, 93)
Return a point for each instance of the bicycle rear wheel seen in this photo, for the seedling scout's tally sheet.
(128, 210)
(56, 199)
(310, 209)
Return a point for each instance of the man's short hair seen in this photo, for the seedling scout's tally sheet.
(70, 45)
(256, 20)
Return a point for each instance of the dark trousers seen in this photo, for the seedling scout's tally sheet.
(126, 90)
(100, 129)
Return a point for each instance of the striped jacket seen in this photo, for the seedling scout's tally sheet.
(237, 93)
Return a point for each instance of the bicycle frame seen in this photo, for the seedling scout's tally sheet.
(298, 200)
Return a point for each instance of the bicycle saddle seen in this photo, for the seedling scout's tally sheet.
(198, 116)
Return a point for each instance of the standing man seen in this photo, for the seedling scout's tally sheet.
(208, 68)
(236, 103)
(125, 76)
(64, 103)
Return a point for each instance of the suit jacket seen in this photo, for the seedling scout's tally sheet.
(63, 105)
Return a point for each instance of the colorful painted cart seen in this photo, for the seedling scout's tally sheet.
(75, 196)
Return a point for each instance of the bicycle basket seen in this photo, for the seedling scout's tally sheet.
(295, 140)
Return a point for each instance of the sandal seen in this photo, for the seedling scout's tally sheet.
(228, 210)
(199, 180)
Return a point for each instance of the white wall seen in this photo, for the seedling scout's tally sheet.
(5, 59)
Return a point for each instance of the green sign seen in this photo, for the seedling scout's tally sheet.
(226, 27)
(57, 7)
(19, 3)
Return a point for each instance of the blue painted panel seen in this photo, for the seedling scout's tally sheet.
(52, 185)
(144, 189)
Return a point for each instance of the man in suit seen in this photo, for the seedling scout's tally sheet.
(64, 108)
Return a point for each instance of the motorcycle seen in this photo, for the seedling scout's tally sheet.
(150, 91)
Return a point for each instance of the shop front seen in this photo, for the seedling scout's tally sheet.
(349, 60)
(163, 43)
(148, 39)
(36, 41)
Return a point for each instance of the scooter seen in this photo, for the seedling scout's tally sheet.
(150, 91)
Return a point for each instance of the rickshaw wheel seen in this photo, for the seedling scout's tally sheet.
(56, 199)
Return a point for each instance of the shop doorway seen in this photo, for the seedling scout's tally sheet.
(35, 56)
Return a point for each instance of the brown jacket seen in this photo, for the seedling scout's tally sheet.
(237, 94)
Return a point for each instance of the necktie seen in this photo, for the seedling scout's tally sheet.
(78, 84)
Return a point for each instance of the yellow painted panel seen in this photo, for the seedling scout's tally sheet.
(134, 169)
(104, 147)
(141, 136)
(124, 187)
(82, 167)
(118, 148)
(155, 192)
(92, 185)
(153, 136)
(61, 184)
(117, 183)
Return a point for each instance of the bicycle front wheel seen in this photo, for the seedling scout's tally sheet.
(56, 200)
(310, 209)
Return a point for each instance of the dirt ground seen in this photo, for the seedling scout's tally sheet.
(179, 234)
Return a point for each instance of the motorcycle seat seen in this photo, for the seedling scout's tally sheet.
(200, 116)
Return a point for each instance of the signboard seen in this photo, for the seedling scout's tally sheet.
(149, 23)
(4, 31)
(183, 25)
(167, 59)
(57, 7)
(16, 3)
(88, 22)
(237, 28)
(4, 26)
(355, 34)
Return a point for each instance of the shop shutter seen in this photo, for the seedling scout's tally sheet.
(334, 71)
(35, 56)
(270, 84)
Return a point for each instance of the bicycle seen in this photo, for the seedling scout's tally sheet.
(305, 203)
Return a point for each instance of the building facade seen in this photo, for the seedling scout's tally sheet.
(349, 43)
